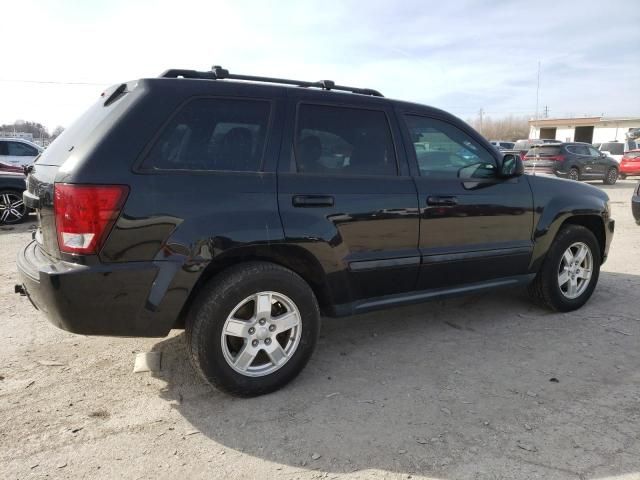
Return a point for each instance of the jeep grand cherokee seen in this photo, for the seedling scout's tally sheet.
(241, 207)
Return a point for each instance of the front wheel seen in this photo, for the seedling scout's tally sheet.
(253, 328)
(611, 177)
(570, 271)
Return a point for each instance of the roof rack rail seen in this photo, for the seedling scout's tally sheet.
(219, 73)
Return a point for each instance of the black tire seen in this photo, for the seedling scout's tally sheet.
(611, 177)
(573, 174)
(216, 302)
(545, 289)
(8, 200)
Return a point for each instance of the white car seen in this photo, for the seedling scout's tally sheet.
(616, 149)
(18, 152)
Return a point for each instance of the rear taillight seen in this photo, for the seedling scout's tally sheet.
(556, 158)
(85, 214)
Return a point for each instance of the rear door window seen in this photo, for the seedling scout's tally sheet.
(343, 141)
(18, 149)
(213, 134)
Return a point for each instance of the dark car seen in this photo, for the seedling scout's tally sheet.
(635, 204)
(241, 210)
(12, 207)
(575, 161)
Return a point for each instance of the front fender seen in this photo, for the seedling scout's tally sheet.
(558, 201)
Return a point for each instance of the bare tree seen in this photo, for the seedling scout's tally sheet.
(506, 128)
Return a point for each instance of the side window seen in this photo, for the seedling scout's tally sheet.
(3, 148)
(21, 150)
(445, 151)
(591, 151)
(343, 141)
(213, 134)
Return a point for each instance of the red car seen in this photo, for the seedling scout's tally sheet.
(630, 164)
(5, 167)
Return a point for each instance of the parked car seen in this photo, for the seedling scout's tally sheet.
(635, 204)
(575, 161)
(502, 145)
(5, 167)
(243, 206)
(630, 164)
(616, 150)
(18, 152)
(523, 146)
(12, 207)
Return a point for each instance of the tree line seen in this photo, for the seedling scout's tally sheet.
(510, 128)
(36, 129)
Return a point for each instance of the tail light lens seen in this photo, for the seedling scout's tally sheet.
(85, 214)
(556, 158)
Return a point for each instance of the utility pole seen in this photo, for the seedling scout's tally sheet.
(481, 112)
(546, 111)
(538, 93)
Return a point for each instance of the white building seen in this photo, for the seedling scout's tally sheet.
(583, 129)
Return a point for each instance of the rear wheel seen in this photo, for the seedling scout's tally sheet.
(611, 176)
(12, 208)
(253, 328)
(573, 174)
(570, 271)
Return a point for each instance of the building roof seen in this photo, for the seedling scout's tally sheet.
(578, 121)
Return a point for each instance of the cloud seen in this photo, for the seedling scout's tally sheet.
(459, 56)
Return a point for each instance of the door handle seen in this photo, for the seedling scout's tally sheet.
(313, 201)
(447, 200)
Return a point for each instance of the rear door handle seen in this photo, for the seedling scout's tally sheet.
(313, 201)
(447, 200)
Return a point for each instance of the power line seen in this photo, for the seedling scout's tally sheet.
(53, 82)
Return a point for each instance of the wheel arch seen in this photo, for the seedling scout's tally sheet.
(291, 257)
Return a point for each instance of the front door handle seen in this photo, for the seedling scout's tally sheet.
(441, 201)
(313, 201)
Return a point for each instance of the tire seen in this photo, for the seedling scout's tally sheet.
(573, 174)
(229, 302)
(12, 208)
(611, 176)
(546, 288)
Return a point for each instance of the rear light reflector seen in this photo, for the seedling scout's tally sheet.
(85, 214)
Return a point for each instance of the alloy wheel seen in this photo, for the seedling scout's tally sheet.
(12, 208)
(261, 334)
(575, 270)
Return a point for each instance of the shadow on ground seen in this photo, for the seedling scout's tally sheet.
(480, 384)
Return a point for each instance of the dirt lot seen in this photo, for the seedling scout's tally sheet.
(457, 389)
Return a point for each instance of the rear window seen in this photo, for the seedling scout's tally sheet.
(612, 148)
(633, 155)
(213, 134)
(77, 132)
(544, 151)
(507, 145)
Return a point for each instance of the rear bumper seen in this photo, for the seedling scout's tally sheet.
(104, 299)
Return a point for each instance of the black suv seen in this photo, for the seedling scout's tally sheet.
(575, 161)
(241, 210)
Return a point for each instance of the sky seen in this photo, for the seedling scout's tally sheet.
(461, 56)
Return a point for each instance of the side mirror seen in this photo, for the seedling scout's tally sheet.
(511, 166)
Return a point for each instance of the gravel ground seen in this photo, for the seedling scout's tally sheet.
(483, 387)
